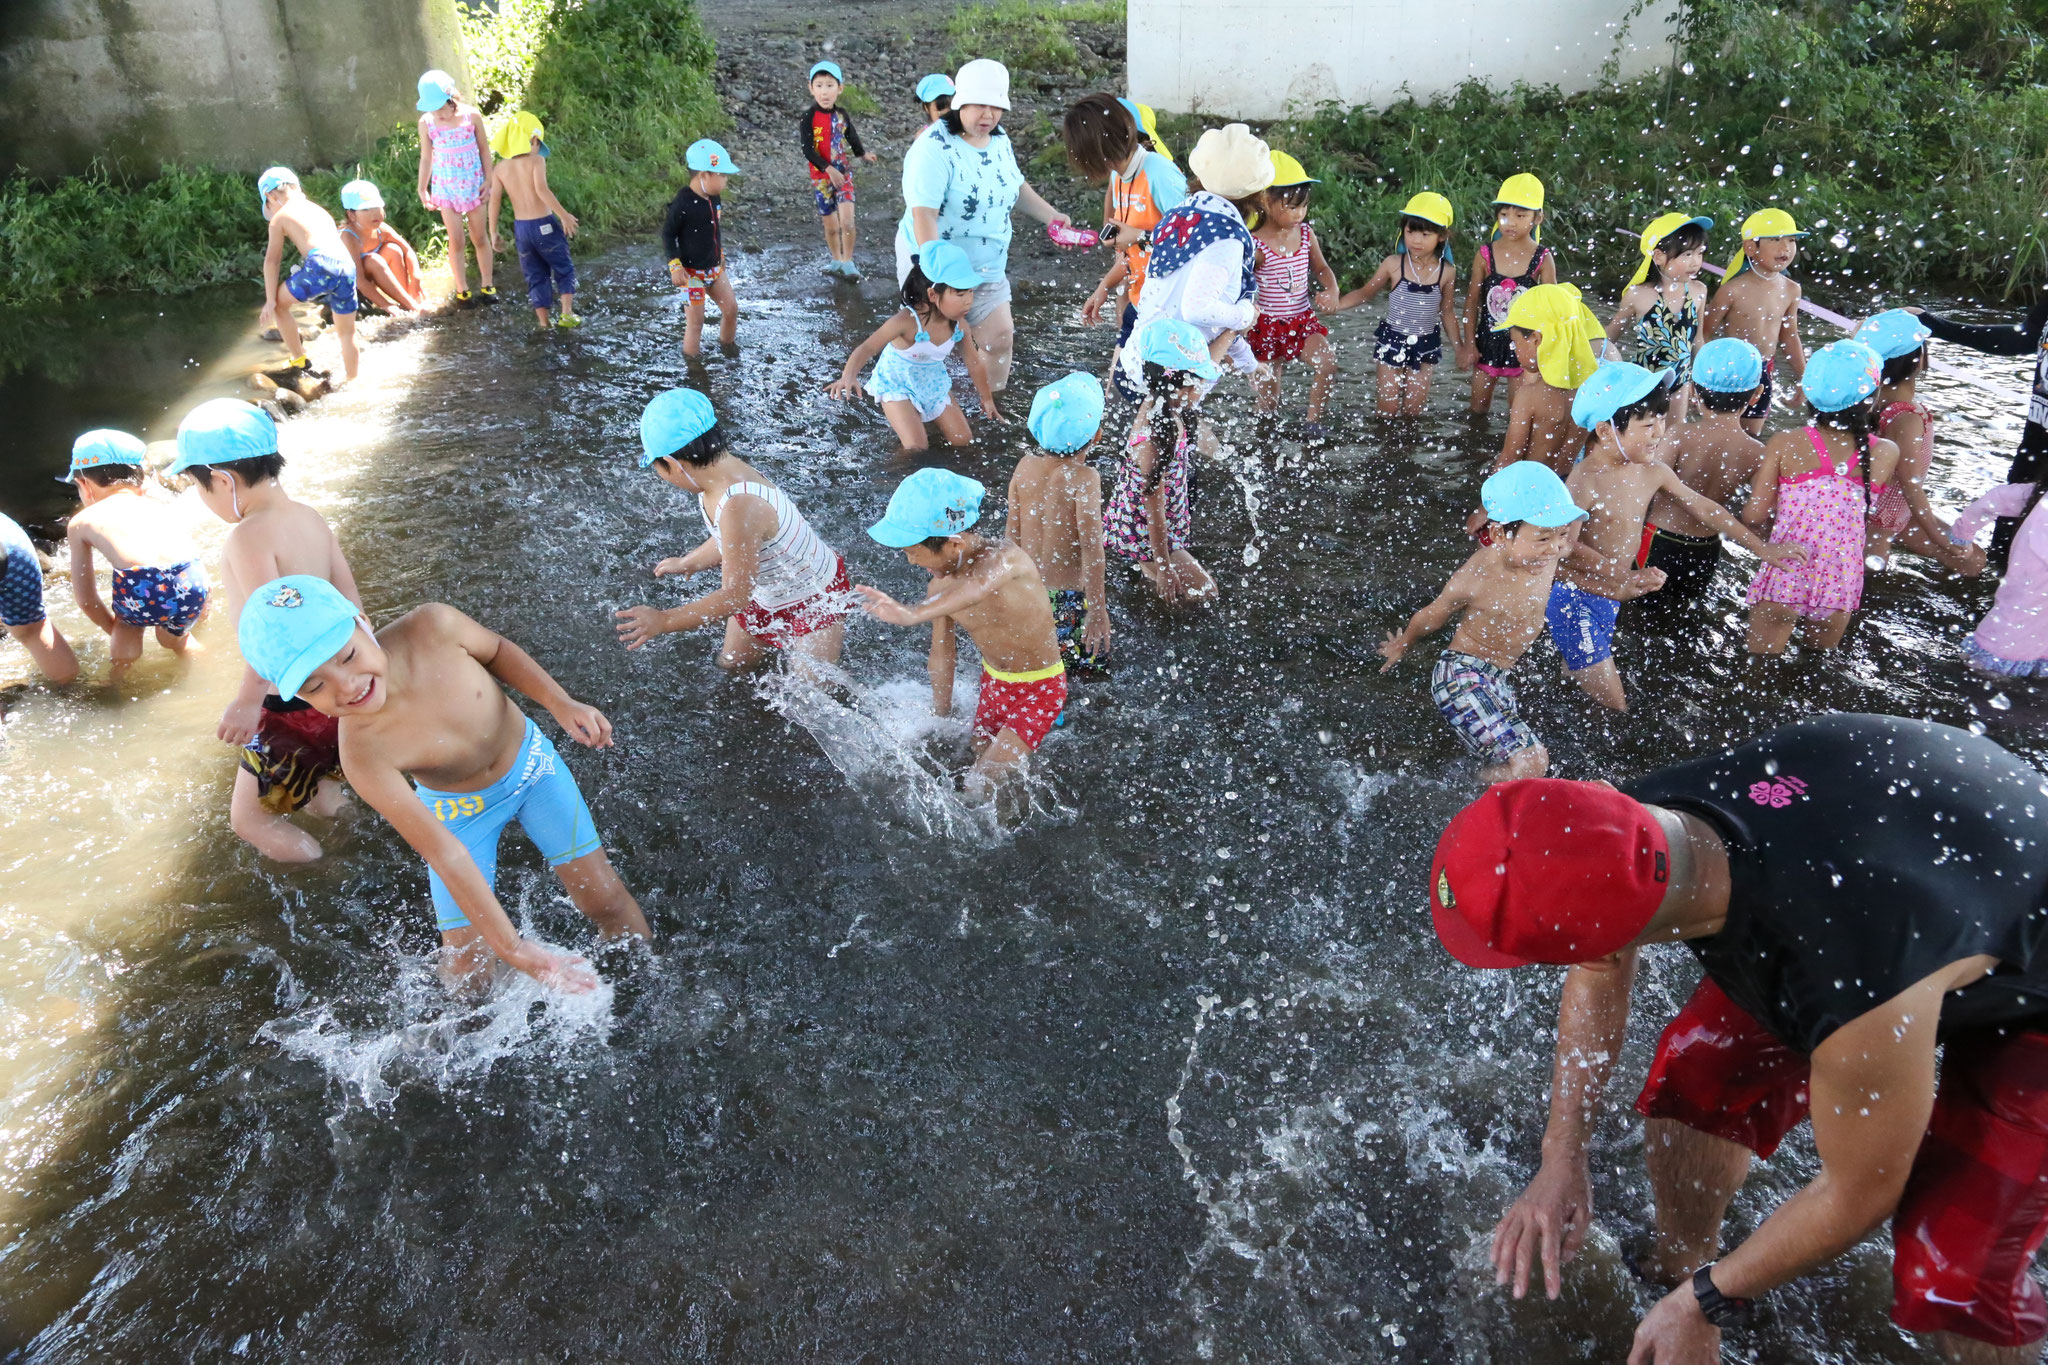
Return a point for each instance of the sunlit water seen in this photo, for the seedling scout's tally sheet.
(1174, 1071)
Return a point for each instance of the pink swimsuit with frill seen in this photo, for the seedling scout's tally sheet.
(1823, 509)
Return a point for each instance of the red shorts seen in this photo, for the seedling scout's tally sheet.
(697, 283)
(1029, 708)
(1975, 1207)
(779, 628)
(1275, 340)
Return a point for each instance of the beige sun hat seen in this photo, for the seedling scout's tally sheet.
(1232, 161)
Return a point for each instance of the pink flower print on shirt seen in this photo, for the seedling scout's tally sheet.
(1778, 794)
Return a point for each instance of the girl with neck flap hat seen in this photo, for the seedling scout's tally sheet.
(1664, 300)
(1513, 259)
(1552, 332)
(1409, 342)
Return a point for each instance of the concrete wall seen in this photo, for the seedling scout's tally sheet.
(233, 83)
(1264, 59)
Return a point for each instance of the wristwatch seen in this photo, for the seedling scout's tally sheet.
(1715, 1306)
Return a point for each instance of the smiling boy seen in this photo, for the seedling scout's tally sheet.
(1757, 304)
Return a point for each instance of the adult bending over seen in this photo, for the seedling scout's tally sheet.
(1858, 888)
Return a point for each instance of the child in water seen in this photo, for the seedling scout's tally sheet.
(1409, 342)
(1107, 145)
(2012, 639)
(387, 268)
(541, 227)
(324, 272)
(1552, 332)
(690, 232)
(455, 171)
(1815, 489)
(1759, 305)
(1498, 596)
(1664, 298)
(291, 755)
(991, 590)
(424, 698)
(1514, 260)
(158, 584)
(910, 380)
(21, 605)
(1147, 520)
(1056, 516)
(1900, 516)
(830, 142)
(1293, 281)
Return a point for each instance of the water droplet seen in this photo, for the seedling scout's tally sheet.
(2001, 702)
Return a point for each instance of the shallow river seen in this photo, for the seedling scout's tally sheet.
(1177, 1071)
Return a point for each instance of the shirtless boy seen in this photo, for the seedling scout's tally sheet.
(1623, 405)
(1757, 304)
(158, 584)
(541, 227)
(424, 697)
(325, 268)
(291, 756)
(1500, 590)
(1056, 516)
(991, 590)
(1553, 338)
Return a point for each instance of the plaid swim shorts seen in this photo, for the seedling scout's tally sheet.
(1478, 700)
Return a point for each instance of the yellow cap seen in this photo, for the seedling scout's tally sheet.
(516, 137)
(1661, 227)
(1287, 171)
(1564, 356)
(1762, 223)
(1522, 191)
(1149, 122)
(1430, 207)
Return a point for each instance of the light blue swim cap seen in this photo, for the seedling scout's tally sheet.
(221, 431)
(1611, 388)
(1893, 333)
(829, 69)
(1175, 344)
(1528, 490)
(103, 446)
(1066, 414)
(933, 86)
(671, 421)
(291, 626)
(1728, 365)
(931, 502)
(944, 263)
(1841, 375)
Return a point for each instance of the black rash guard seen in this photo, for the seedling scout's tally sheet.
(1865, 853)
(689, 230)
(2026, 337)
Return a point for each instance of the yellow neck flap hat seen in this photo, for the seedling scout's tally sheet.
(1564, 356)
(1763, 223)
(1430, 207)
(1660, 228)
(1523, 191)
(516, 137)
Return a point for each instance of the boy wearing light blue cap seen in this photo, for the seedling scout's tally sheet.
(158, 585)
(910, 380)
(829, 143)
(1716, 458)
(325, 270)
(424, 698)
(1056, 515)
(991, 590)
(1149, 515)
(1497, 597)
(291, 756)
(690, 234)
(1623, 405)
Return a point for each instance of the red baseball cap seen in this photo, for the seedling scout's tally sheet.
(1545, 870)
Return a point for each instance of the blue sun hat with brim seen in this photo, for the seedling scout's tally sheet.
(1728, 365)
(1893, 333)
(931, 502)
(361, 194)
(707, 155)
(222, 431)
(1841, 375)
(671, 421)
(1176, 344)
(1066, 414)
(291, 626)
(1529, 490)
(436, 89)
(104, 446)
(1611, 388)
(947, 264)
(933, 87)
(276, 178)
(827, 69)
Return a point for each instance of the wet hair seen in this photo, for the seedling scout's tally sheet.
(703, 450)
(1858, 419)
(1691, 237)
(944, 103)
(1294, 196)
(1163, 384)
(1101, 136)
(917, 291)
(253, 470)
(1720, 400)
(1443, 236)
(111, 475)
(1900, 368)
(958, 128)
(1655, 403)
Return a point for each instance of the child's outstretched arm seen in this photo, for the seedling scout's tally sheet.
(1091, 310)
(515, 668)
(958, 595)
(896, 328)
(85, 588)
(940, 664)
(745, 523)
(569, 223)
(1457, 594)
(1326, 296)
(1382, 278)
(273, 264)
(1726, 522)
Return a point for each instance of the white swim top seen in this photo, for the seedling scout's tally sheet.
(795, 563)
(923, 350)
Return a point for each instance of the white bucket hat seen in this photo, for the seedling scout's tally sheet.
(1232, 162)
(982, 81)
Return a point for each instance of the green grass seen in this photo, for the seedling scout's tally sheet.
(855, 100)
(1026, 35)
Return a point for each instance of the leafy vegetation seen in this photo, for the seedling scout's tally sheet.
(1026, 35)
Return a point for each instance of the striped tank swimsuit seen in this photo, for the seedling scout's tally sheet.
(795, 563)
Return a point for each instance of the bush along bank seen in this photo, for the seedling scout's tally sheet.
(623, 85)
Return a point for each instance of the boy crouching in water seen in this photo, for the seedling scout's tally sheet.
(991, 590)
(424, 697)
(1500, 591)
(291, 755)
(1056, 516)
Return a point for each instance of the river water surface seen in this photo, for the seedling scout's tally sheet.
(1176, 1071)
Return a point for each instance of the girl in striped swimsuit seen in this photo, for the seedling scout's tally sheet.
(1287, 258)
(1409, 342)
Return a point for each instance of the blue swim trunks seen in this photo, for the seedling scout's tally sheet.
(1582, 623)
(538, 792)
(21, 577)
(171, 597)
(325, 275)
(544, 259)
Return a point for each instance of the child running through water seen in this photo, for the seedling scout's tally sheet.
(1756, 303)
(830, 143)
(1815, 489)
(1293, 281)
(910, 380)
(691, 234)
(541, 227)
(1498, 598)
(324, 271)
(1107, 145)
(424, 698)
(158, 584)
(1409, 342)
(991, 590)
(1664, 298)
(1513, 261)
(1901, 517)
(1056, 516)
(1552, 332)
(455, 171)
(1147, 520)
(291, 755)
(387, 268)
